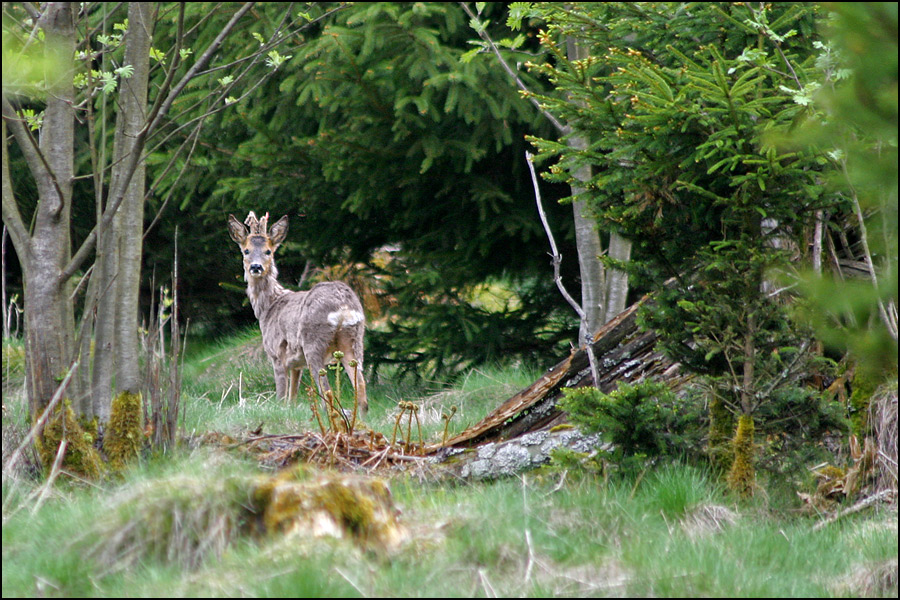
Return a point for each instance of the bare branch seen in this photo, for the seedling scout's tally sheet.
(160, 111)
(557, 258)
(37, 162)
(12, 218)
(135, 156)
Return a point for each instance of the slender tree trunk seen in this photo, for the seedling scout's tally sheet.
(117, 348)
(587, 238)
(604, 292)
(130, 226)
(616, 280)
(49, 316)
(593, 275)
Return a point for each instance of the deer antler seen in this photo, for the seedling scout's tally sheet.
(257, 226)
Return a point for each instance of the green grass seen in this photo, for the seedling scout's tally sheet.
(670, 531)
(229, 387)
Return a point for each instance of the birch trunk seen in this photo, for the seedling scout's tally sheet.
(587, 238)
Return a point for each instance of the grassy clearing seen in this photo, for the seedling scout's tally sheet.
(168, 526)
(230, 388)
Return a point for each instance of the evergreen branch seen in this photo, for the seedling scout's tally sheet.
(562, 129)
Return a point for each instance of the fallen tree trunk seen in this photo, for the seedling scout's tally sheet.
(623, 354)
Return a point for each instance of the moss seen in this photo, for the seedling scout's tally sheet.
(354, 511)
(561, 427)
(863, 385)
(831, 481)
(330, 505)
(742, 476)
(81, 457)
(124, 433)
(721, 423)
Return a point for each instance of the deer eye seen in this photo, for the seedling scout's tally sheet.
(246, 252)
(268, 252)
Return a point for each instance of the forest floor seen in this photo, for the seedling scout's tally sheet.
(172, 526)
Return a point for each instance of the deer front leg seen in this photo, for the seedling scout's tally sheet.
(281, 388)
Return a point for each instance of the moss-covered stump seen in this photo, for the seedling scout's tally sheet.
(123, 438)
(721, 422)
(742, 476)
(329, 504)
(187, 518)
(80, 456)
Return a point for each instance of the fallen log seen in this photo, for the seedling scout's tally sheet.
(622, 353)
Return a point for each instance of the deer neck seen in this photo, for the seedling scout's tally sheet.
(264, 291)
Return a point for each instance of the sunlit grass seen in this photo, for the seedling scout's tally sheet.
(671, 530)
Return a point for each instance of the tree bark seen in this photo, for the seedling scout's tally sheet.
(117, 349)
(587, 238)
(624, 354)
(616, 280)
(604, 291)
(49, 316)
(130, 218)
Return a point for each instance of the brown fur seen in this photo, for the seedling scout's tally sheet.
(299, 329)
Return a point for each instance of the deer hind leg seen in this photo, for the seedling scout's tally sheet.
(315, 360)
(352, 349)
(296, 374)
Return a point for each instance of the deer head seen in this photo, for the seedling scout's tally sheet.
(257, 245)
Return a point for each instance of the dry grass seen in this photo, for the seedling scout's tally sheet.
(883, 416)
(179, 520)
(707, 519)
(873, 580)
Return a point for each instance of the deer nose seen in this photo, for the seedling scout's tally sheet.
(256, 268)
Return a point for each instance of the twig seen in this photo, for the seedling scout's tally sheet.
(557, 258)
(488, 588)
(883, 495)
(36, 429)
(530, 564)
(54, 473)
(351, 582)
(557, 276)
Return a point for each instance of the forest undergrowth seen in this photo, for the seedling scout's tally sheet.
(177, 525)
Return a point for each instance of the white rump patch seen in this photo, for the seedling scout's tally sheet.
(345, 317)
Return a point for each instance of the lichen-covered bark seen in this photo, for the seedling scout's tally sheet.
(500, 459)
(623, 354)
(742, 476)
(124, 434)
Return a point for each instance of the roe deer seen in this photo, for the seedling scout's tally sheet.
(299, 329)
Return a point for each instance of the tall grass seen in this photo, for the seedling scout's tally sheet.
(514, 537)
(669, 531)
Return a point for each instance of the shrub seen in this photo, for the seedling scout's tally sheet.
(641, 420)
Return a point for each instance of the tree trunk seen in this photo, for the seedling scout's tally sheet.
(616, 280)
(587, 238)
(49, 316)
(130, 225)
(117, 349)
(604, 292)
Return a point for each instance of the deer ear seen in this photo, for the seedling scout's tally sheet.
(237, 230)
(278, 231)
